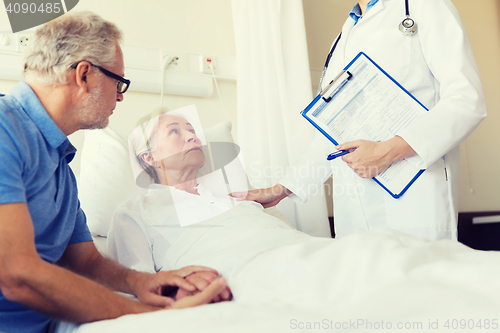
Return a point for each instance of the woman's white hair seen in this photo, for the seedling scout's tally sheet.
(63, 42)
(142, 139)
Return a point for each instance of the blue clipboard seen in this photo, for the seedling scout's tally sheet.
(328, 97)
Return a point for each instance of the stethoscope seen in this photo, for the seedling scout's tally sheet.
(408, 27)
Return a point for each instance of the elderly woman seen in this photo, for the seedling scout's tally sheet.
(143, 228)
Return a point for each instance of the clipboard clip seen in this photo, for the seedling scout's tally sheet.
(329, 86)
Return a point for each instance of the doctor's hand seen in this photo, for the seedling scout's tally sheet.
(267, 197)
(371, 158)
(202, 280)
(149, 287)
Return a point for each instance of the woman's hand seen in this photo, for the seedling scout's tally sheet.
(267, 197)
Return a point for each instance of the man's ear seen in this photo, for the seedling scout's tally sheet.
(81, 72)
(149, 159)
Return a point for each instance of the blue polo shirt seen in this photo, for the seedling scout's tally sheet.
(34, 157)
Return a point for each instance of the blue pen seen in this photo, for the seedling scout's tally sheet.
(339, 153)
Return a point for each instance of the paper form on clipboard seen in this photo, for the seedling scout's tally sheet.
(364, 102)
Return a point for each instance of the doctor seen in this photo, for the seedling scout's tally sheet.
(436, 64)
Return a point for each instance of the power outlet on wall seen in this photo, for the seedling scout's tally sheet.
(208, 64)
(172, 61)
(23, 41)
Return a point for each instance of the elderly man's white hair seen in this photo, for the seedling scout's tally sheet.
(65, 41)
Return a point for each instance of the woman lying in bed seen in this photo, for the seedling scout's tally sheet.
(180, 222)
(144, 228)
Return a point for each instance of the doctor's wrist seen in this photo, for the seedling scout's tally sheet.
(399, 148)
(281, 191)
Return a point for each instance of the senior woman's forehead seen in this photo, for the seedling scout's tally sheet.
(171, 119)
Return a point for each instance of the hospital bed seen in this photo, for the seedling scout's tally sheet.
(285, 281)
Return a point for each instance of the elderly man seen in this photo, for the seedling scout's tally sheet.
(49, 267)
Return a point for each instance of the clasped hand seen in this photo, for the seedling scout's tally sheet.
(197, 285)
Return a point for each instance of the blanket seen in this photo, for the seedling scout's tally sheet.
(284, 280)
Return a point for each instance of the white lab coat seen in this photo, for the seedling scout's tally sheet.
(437, 66)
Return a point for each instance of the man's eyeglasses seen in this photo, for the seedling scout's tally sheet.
(123, 83)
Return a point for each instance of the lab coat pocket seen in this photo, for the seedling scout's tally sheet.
(424, 205)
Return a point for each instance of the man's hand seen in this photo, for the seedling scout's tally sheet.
(267, 197)
(202, 280)
(215, 288)
(148, 287)
(371, 158)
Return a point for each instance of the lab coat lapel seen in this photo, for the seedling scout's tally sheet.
(374, 10)
(338, 60)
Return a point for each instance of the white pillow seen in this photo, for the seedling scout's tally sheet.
(106, 179)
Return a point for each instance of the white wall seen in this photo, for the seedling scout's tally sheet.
(203, 26)
(197, 26)
(481, 170)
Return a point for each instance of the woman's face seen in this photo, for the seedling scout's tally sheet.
(177, 144)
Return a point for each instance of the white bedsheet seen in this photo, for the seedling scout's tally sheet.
(283, 280)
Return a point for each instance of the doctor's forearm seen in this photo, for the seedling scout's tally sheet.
(399, 149)
(282, 191)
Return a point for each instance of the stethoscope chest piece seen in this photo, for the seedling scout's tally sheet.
(408, 27)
